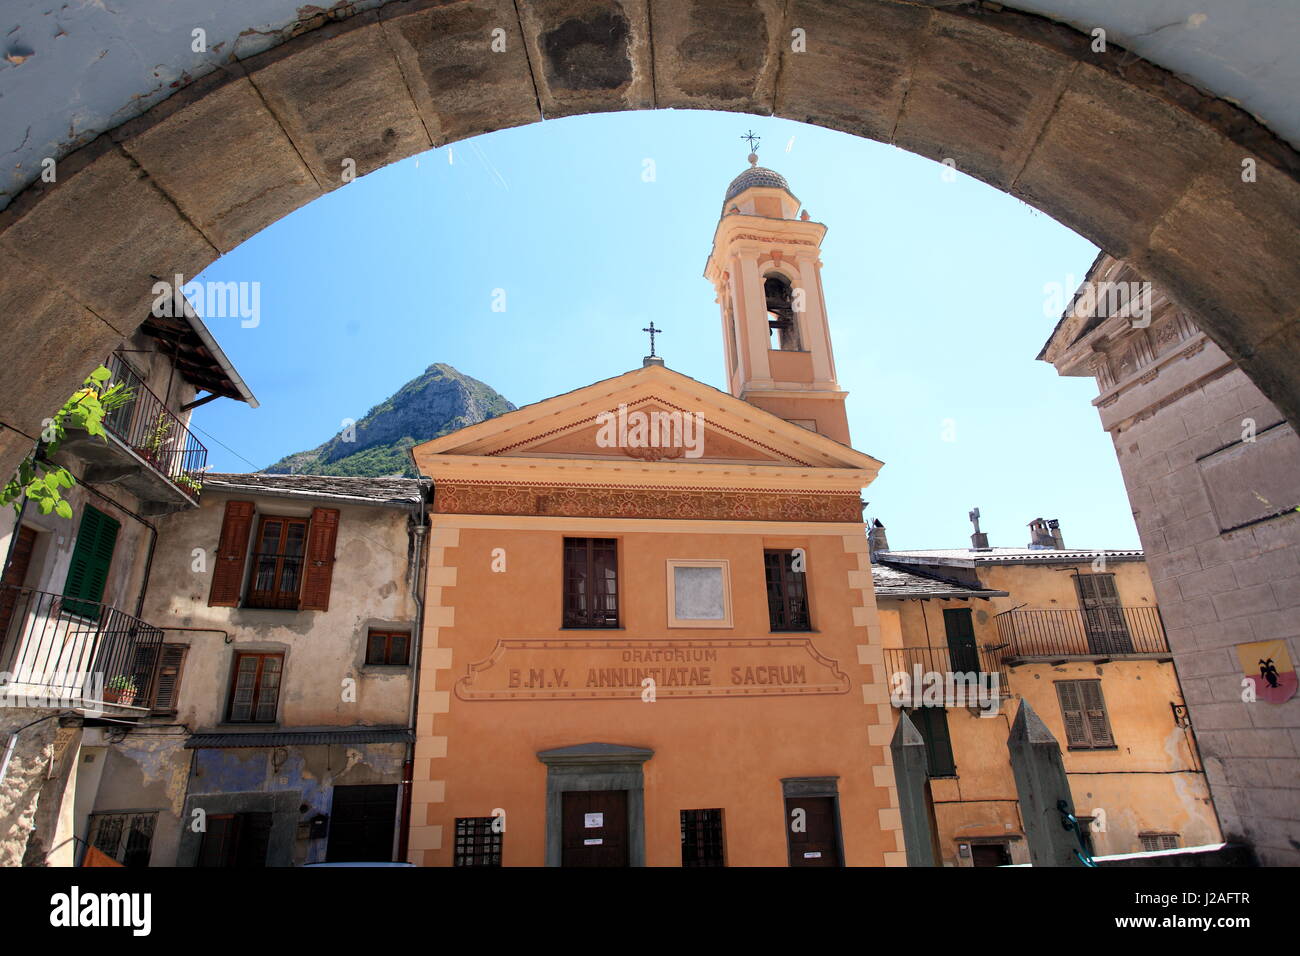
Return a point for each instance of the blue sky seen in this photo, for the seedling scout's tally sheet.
(935, 290)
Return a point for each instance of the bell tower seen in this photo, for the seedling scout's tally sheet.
(765, 269)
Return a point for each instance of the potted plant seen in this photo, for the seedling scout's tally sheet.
(153, 444)
(121, 690)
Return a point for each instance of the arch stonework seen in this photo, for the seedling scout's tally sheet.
(1139, 162)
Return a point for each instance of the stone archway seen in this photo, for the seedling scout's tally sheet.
(1139, 162)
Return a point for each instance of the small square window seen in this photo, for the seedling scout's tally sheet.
(699, 593)
(478, 842)
(388, 647)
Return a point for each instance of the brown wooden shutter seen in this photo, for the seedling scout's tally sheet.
(169, 677)
(232, 551)
(1094, 712)
(318, 571)
(1076, 730)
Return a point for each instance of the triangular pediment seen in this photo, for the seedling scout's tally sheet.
(652, 414)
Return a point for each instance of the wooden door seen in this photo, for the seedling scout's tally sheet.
(362, 819)
(963, 655)
(813, 835)
(593, 827)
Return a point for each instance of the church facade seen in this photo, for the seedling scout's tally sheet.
(650, 635)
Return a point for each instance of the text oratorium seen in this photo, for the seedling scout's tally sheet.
(620, 669)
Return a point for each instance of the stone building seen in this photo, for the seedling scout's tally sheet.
(1213, 474)
(1077, 634)
(289, 605)
(648, 601)
(76, 645)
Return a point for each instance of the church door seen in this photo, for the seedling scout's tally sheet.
(594, 828)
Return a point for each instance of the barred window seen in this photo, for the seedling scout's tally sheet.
(702, 838)
(1158, 841)
(477, 844)
(126, 837)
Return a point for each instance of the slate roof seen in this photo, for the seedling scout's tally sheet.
(396, 492)
(895, 582)
(968, 558)
(302, 738)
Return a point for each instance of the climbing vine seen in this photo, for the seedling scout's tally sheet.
(38, 478)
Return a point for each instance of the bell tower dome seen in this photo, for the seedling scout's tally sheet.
(765, 269)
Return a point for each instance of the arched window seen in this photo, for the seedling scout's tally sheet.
(780, 313)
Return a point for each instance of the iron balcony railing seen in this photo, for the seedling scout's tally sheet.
(149, 428)
(1082, 632)
(76, 651)
(945, 661)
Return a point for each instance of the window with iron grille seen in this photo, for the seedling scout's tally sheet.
(702, 838)
(1158, 841)
(126, 837)
(787, 592)
(277, 563)
(477, 844)
(1087, 727)
(255, 688)
(388, 647)
(590, 582)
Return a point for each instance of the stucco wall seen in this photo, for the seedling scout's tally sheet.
(322, 648)
(326, 682)
(716, 751)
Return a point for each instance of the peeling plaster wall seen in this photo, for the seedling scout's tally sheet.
(32, 792)
(150, 769)
(310, 773)
(322, 648)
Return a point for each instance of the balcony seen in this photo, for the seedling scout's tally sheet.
(149, 452)
(945, 661)
(1102, 633)
(66, 652)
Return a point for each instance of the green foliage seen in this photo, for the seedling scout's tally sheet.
(37, 477)
(122, 682)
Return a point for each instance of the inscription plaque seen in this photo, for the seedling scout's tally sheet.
(542, 669)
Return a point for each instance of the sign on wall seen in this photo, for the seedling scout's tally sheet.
(606, 670)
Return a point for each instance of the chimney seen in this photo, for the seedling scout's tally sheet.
(1040, 536)
(979, 541)
(876, 540)
(1054, 526)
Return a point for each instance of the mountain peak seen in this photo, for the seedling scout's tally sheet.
(439, 401)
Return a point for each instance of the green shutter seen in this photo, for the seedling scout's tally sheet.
(91, 558)
(932, 722)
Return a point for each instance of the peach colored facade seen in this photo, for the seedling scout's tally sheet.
(724, 749)
(726, 711)
(1151, 782)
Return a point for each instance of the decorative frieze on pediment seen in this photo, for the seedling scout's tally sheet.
(622, 501)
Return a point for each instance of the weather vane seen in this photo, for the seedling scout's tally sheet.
(653, 332)
(753, 141)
